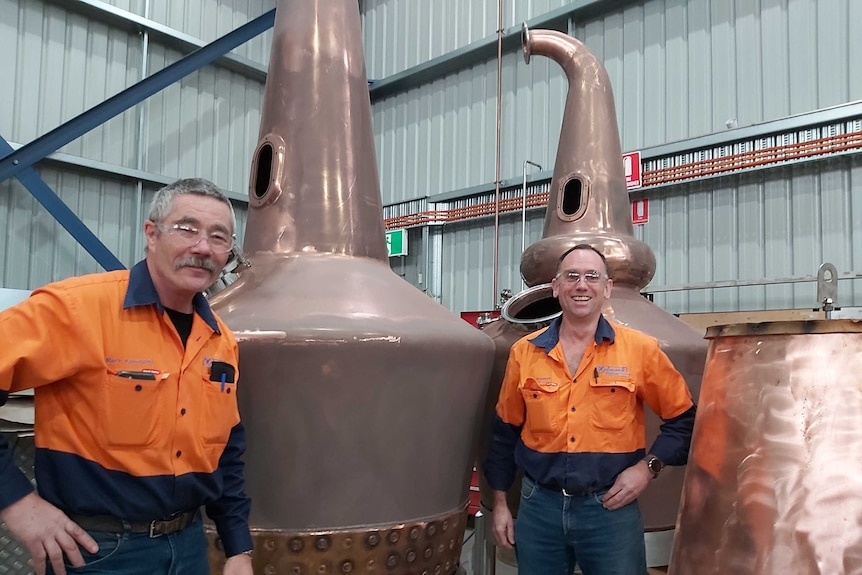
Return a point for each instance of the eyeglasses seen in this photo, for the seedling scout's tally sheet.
(190, 236)
(572, 276)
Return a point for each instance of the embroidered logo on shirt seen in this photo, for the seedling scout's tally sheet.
(614, 370)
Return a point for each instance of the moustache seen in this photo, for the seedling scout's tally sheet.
(196, 262)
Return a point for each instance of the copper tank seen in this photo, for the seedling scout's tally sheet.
(589, 204)
(774, 479)
(359, 394)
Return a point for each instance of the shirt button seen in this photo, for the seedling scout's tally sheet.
(535, 395)
(183, 411)
(572, 440)
(573, 409)
(138, 388)
(180, 452)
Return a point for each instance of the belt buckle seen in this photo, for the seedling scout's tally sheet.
(153, 533)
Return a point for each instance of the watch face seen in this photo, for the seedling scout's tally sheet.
(655, 465)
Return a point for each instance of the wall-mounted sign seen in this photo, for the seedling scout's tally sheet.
(396, 242)
(632, 165)
(640, 211)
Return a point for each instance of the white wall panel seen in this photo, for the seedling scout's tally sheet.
(399, 34)
(58, 65)
(35, 249)
(767, 225)
(756, 228)
(208, 20)
(206, 125)
(679, 69)
(468, 259)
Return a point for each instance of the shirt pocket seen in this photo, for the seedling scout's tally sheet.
(220, 412)
(542, 405)
(614, 403)
(132, 411)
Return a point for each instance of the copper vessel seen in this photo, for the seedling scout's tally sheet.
(359, 394)
(774, 479)
(589, 204)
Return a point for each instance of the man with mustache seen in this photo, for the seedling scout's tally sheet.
(570, 414)
(137, 425)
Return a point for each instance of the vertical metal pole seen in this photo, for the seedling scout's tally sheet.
(484, 556)
(139, 188)
(498, 151)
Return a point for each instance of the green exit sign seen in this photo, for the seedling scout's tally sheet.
(396, 242)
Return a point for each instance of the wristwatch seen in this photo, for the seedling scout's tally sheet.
(655, 465)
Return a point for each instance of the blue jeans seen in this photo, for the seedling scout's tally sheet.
(554, 531)
(181, 553)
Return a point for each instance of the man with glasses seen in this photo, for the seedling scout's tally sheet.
(570, 415)
(137, 425)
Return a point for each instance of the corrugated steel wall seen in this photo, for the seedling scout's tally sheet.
(773, 224)
(406, 33)
(679, 69)
(59, 64)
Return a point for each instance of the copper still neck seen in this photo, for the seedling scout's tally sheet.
(314, 186)
(588, 199)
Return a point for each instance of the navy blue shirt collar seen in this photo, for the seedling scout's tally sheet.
(142, 291)
(549, 338)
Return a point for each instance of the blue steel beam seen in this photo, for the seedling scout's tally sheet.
(11, 164)
(66, 218)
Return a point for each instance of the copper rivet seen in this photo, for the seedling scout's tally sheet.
(370, 563)
(270, 570)
(448, 565)
(347, 567)
(414, 533)
(373, 539)
(445, 525)
(411, 556)
(322, 568)
(296, 544)
(440, 549)
(323, 543)
(428, 553)
(394, 537)
(437, 570)
(432, 529)
(392, 560)
(269, 544)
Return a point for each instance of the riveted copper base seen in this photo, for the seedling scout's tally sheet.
(430, 547)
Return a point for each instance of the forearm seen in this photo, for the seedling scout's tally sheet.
(499, 465)
(230, 512)
(674, 440)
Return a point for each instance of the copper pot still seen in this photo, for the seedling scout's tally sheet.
(359, 394)
(589, 204)
(774, 479)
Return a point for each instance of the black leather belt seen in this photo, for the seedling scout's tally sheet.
(155, 528)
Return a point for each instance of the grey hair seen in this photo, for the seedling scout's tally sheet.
(163, 203)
